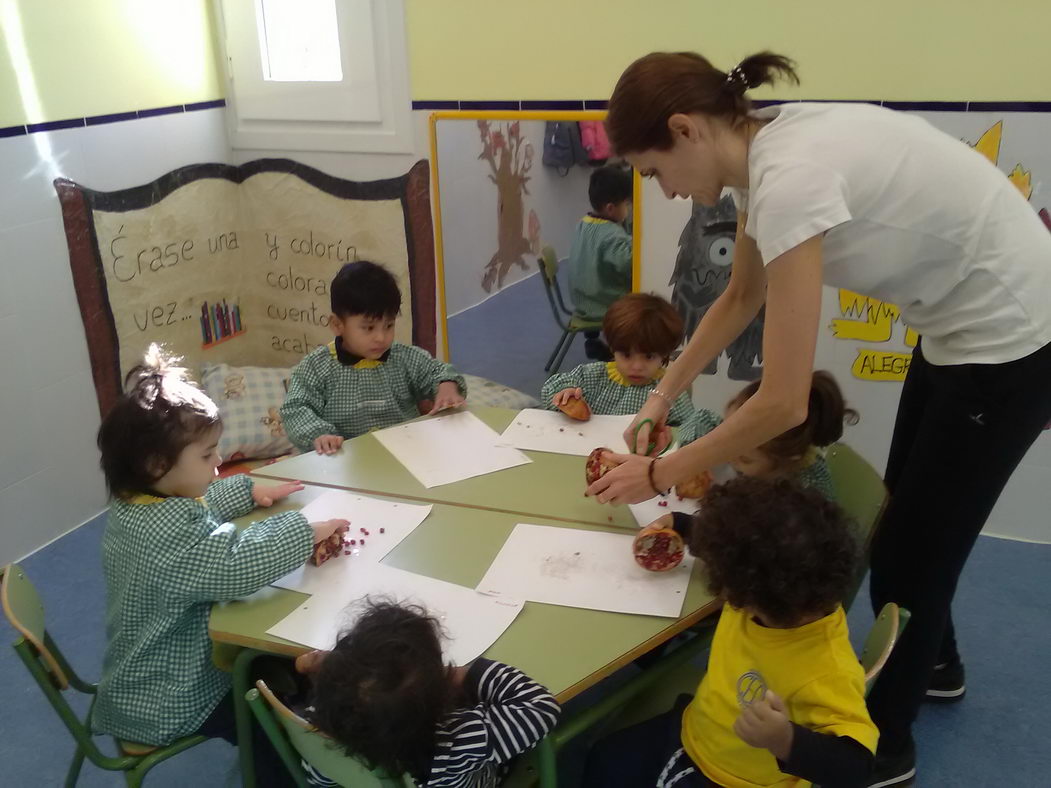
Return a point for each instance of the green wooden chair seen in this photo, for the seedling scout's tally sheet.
(51, 671)
(884, 635)
(860, 491)
(570, 323)
(295, 738)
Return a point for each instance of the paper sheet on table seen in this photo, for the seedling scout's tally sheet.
(648, 511)
(397, 520)
(447, 449)
(553, 431)
(590, 569)
(472, 621)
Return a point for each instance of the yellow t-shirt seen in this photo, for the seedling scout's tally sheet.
(812, 668)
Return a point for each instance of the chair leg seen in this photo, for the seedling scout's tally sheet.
(74, 768)
(551, 360)
(565, 349)
(547, 763)
(242, 682)
(134, 778)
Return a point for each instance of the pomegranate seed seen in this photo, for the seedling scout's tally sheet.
(664, 503)
(353, 541)
(383, 530)
(362, 542)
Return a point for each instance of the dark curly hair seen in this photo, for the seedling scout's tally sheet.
(160, 413)
(382, 690)
(774, 548)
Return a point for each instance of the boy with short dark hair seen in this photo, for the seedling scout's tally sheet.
(363, 380)
(600, 258)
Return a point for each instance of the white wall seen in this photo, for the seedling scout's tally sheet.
(469, 208)
(1023, 507)
(49, 476)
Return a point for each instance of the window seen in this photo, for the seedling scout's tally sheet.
(328, 75)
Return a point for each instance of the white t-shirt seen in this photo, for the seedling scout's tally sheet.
(911, 216)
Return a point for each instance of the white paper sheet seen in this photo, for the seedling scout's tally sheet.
(446, 449)
(472, 621)
(590, 569)
(553, 431)
(397, 520)
(648, 511)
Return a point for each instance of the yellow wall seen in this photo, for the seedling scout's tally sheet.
(907, 50)
(74, 58)
(92, 57)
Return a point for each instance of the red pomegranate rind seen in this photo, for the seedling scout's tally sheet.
(597, 465)
(658, 549)
(327, 548)
(576, 409)
(696, 487)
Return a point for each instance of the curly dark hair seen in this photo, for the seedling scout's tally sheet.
(160, 413)
(774, 548)
(382, 690)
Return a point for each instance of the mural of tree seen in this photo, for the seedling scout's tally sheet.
(510, 158)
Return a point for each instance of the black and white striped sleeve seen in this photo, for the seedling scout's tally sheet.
(513, 713)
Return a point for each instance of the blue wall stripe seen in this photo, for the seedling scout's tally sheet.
(13, 131)
(96, 120)
(152, 113)
(54, 125)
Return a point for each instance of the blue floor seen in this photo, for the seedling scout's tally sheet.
(997, 736)
(509, 338)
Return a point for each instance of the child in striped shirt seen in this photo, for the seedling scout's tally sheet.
(364, 380)
(385, 695)
(642, 331)
(169, 553)
(796, 454)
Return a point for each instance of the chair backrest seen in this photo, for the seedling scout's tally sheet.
(548, 261)
(860, 491)
(883, 636)
(25, 611)
(321, 752)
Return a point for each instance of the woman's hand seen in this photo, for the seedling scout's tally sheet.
(638, 436)
(628, 482)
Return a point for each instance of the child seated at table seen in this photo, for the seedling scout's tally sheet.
(796, 454)
(600, 257)
(643, 330)
(386, 696)
(783, 699)
(363, 380)
(169, 553)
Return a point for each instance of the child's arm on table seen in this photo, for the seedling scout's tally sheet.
(561, 387)
(301, 410)
(430, 378)
(225, 564)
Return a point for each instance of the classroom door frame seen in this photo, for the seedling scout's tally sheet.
(512, 115)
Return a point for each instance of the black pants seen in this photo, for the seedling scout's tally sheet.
(960, 433)
(636, 756)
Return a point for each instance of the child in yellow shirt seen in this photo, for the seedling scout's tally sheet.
(783, 701)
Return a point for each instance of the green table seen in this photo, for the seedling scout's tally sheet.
(566, 649)
(552, 486)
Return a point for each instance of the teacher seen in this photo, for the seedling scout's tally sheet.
(882, 203)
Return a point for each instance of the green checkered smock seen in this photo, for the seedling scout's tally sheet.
(607, 392)
(166, 560)
(328, 396)
(814, 474)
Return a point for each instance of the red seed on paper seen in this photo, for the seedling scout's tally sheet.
(664, 503)
(353, 541)
(362, 542)
(346, 552)
(362, 530)
(383, 530)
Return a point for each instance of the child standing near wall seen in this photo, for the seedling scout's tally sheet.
(600, 258)
(363, 380)
(169, 554)
(784, 696)
(643, 330)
